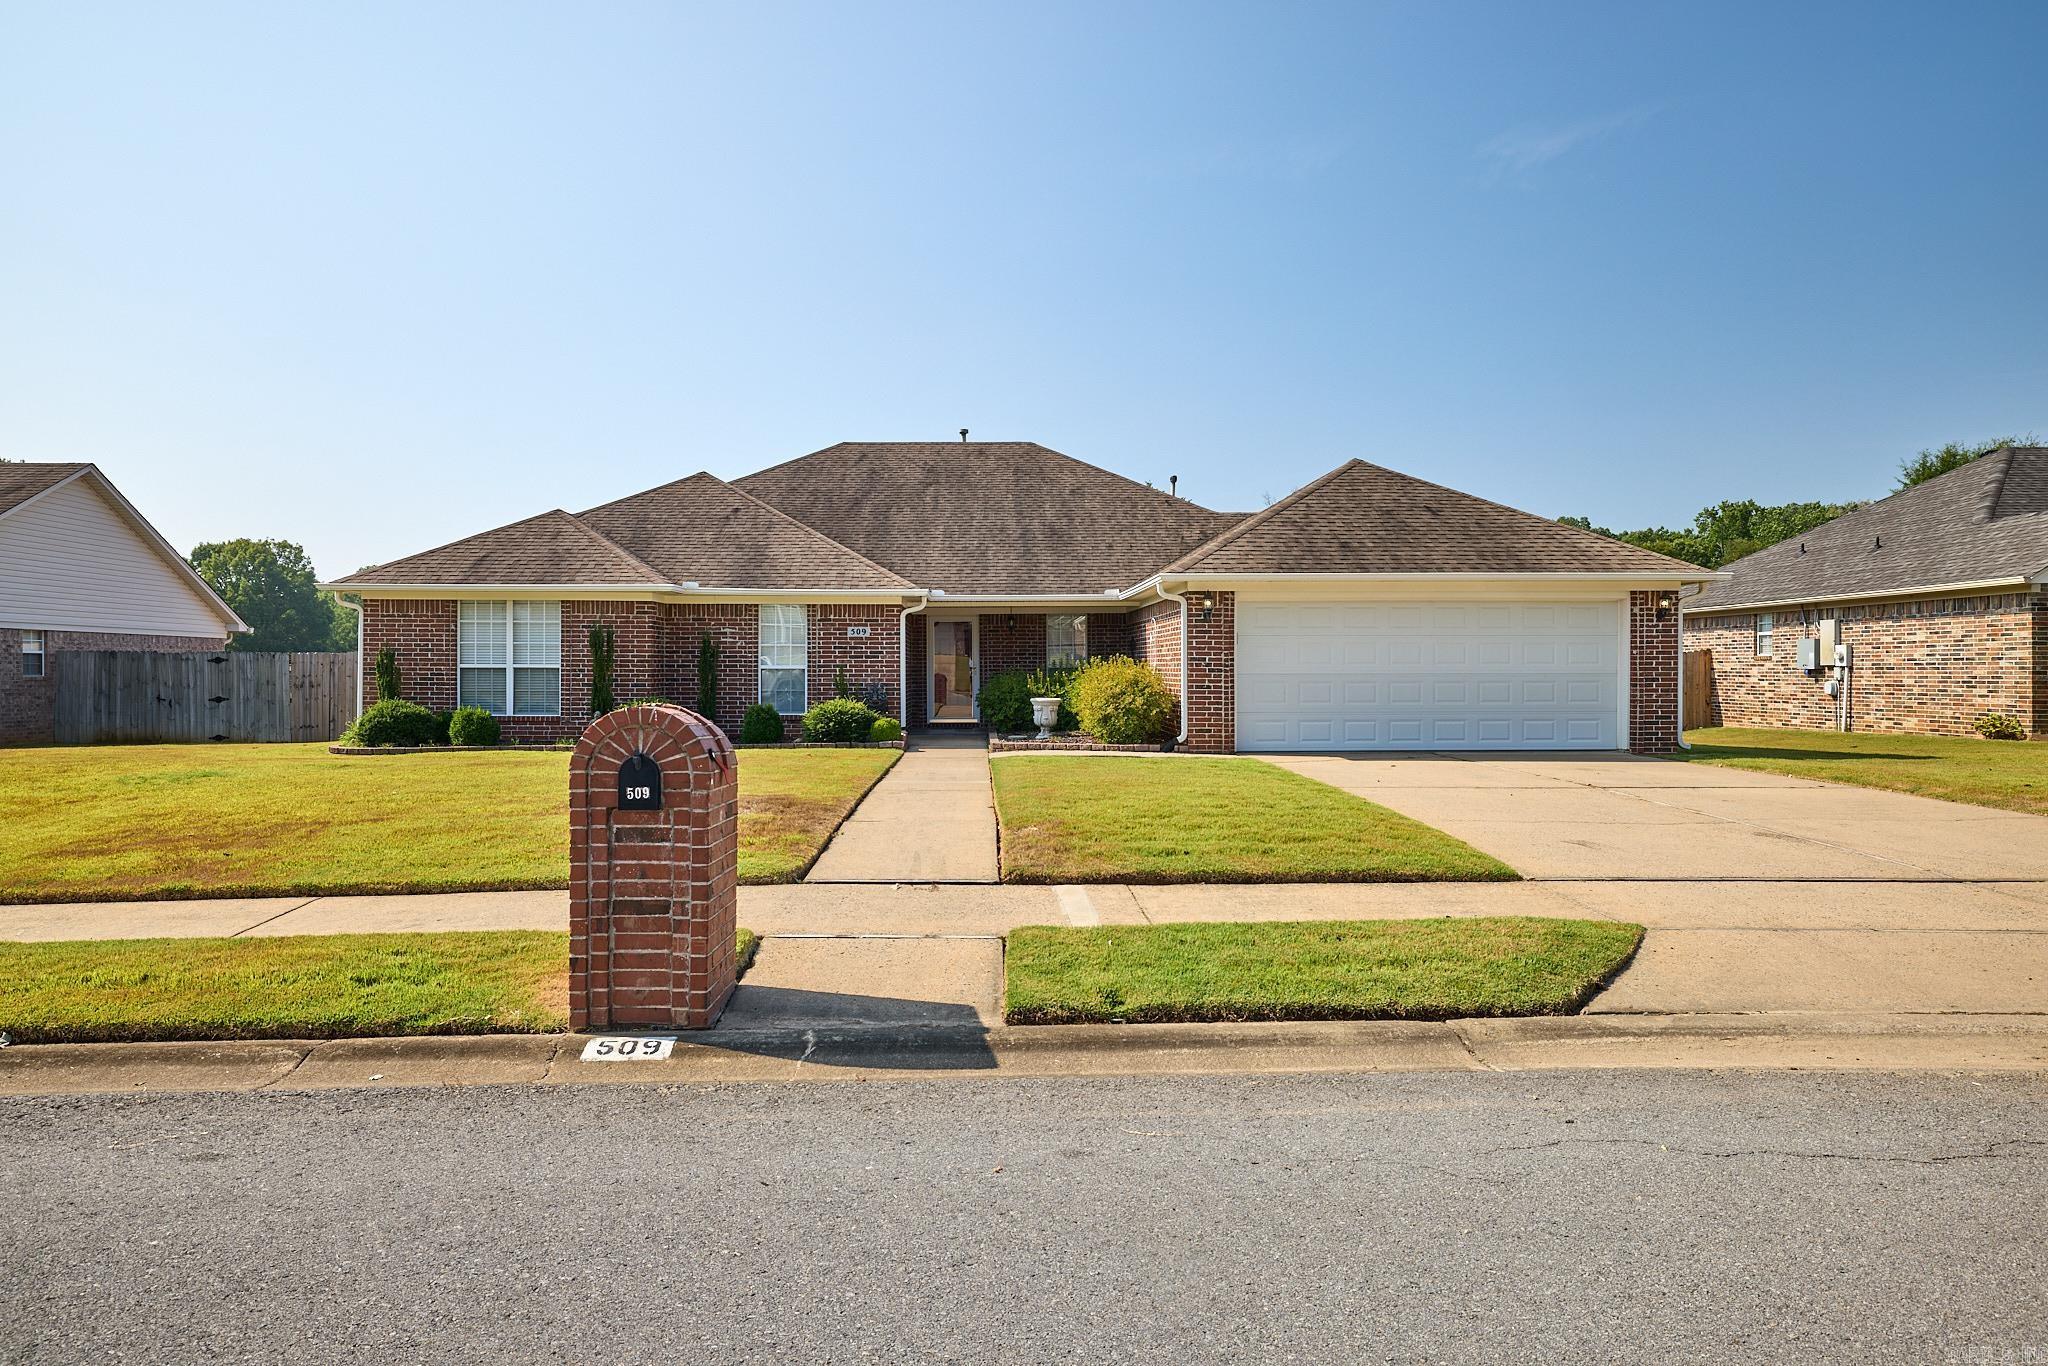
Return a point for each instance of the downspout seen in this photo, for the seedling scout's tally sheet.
(903, 662)
(357, 608)
(1679, 608)
(1181, 598)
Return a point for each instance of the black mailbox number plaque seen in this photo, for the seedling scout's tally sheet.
(639, 784)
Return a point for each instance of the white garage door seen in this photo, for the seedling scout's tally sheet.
(1428, 675)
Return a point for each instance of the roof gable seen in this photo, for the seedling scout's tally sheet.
(1362, 518)
(987, 517)
(553, 548)
(703, 530)
(23, 480)
(1984, 522)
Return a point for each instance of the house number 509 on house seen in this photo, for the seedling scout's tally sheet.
(857, 632)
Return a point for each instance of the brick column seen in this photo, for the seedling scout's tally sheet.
(1212, 674)
(653, 894)
(1652, 676)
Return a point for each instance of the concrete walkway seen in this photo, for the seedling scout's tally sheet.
(932, 818)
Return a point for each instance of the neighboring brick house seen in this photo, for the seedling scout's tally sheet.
(1939, 592)
(1369, 610)
(81, 569)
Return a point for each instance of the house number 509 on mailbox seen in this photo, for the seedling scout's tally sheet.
(639, 784)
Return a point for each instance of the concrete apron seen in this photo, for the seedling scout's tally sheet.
(932, 818)
(880, 1053)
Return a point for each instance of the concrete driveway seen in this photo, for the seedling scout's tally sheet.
(1760, 892)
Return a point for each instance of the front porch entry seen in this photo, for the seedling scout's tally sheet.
(954, 664)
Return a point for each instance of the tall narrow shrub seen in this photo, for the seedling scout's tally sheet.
(603, 659)
(387, 675)
(707, 676)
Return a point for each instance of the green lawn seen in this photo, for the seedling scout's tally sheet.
(1317, 970)
(2009, 774)
(311, 986)
(132, 821)
(1114, 818)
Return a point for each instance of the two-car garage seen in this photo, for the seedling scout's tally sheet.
(1363, 675)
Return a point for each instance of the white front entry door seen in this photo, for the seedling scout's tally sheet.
(1429, 675)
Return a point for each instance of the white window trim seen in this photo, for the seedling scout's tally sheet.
(1067, 661)
(511, 666)
(41, 654)
(761, 666)
(1766, 624)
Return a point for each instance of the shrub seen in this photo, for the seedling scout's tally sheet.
(762, 725)
(1056, 681)
(442, 720)
(395, 722)
(472, 726)
(1122, 702)
(886, 728)
(839, 685)
(2001, 726)
(604, 657)
(387, 675)
(839, 720)
(1005, 702)
(707, 675)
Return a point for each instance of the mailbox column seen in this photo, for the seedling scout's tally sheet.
(653, 871)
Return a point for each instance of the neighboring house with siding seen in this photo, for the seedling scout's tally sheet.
(1368, 610)
(1940, 592)
(81, 569)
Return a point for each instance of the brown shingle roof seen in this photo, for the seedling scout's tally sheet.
(702, 529)
(1982, 523)
(987, 516)
(1365, 519)
(22, 481)
(553, 548)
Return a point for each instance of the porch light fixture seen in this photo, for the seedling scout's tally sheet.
(1203, 603)
(1665, 602)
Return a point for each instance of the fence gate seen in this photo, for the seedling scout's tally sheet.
(132, 695)
(1699, 689)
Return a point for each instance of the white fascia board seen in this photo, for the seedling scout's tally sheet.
(661, 591)
(1219, 580)
(2016, 583)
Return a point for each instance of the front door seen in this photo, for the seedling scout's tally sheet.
(955, 667)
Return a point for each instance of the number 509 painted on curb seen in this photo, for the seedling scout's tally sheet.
(640, 1048)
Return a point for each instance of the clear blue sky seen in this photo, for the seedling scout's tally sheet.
(371, 277)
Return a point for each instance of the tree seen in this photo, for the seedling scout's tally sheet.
(1941, 459)
(270, 585)
(1726, 531)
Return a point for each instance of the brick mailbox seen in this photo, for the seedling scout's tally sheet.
(653, 871)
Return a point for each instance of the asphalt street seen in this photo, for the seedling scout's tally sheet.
(1437, 1216)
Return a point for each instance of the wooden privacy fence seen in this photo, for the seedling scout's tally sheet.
(127, 695)
(1699, 689)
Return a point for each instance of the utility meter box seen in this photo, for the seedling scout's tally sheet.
(1809, 654)
(1829, 630)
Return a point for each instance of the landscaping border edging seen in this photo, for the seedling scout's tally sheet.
(1071, 744)
(364, 750)
(821, 744)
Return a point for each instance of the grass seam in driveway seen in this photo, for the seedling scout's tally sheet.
(1228, 972)
(1184, 818)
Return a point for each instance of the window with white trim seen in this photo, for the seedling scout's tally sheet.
(32, 656)
(785, 676)
(1066, 639)
(508, 657)
(1764, 622)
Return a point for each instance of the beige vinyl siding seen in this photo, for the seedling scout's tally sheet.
(71, 561)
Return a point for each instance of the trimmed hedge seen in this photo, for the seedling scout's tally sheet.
(1122, 702)
(839, 720)
(472, 726)
(1005, 702)
(762, 725)
(885, 729)
(395, 722)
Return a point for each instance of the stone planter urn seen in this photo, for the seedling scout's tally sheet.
(1045, 712)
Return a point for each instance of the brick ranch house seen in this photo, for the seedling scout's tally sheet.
(1368, 610)
(81, 569)
(1940, 593)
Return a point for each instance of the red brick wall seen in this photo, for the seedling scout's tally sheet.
(28, 706)
(1652, 676)
(1155, 640)
(870, 661)
(1012, 643)
(736, 629)
(653, 895)
(656, 645)
(1930, 666)
(917, 668)
(1212, 675)
(1109, 633)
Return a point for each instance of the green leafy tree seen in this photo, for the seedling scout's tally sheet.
(604, 657)
(707, 676)
(1726, 531)
(271, 586)
(1956, 454)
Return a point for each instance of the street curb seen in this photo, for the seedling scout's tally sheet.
(857, 1053)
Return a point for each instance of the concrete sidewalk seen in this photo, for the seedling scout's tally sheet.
(932, 818)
